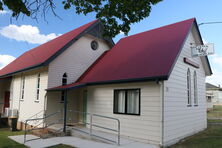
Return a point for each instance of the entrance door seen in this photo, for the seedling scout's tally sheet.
(6, 99)
(84, 105)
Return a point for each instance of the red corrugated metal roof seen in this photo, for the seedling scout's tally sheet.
(150, 55)
(42, 53)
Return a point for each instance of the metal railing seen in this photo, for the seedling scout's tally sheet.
(92, 124)
(41, 126)
(40, 114)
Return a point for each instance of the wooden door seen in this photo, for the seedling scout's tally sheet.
(6, 99)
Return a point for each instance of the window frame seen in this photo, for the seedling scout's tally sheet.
(22, 95)
(195, 88)
(189, 99)
(38, 87)
(125, 113)
(64, 78)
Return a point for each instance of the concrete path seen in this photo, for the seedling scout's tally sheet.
(77, 142)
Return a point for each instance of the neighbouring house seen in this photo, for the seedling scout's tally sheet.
(148, 81)
(213, 95)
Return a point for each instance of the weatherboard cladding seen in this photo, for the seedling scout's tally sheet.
(44, 53)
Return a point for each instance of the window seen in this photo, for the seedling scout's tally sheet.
(209, 98)
(188, 88)
(38, 87)
(195, 88)
(94, 45)
(64, 79)
(64, 82)
(22, 88)
(127, 101)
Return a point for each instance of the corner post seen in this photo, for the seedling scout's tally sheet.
(65, 111)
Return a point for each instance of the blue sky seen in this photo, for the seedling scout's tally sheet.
(14, 41)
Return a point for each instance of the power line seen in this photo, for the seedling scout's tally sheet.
(209, 23)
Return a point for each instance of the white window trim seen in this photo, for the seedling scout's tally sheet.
(38, 88)
(22, 93)
(195, 89)
(189, 100)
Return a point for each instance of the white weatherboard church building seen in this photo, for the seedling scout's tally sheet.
(149, 82)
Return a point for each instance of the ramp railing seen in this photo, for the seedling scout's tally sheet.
(42, 125)
(92, 124)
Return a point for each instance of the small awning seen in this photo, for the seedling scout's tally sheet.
(67, 87)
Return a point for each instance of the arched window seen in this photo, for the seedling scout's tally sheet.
(195, 88)
(64, 79)
(64, 82)
(188, 87)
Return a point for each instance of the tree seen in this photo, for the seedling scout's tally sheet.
(116, 15)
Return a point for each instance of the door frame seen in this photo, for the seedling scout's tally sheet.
(6, 100)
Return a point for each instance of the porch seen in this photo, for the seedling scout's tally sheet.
(81, 104)
(66, 112)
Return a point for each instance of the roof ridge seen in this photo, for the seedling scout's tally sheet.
(154, 29)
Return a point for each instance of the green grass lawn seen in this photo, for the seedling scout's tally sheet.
(215, 113)
(210, 138)
(5, 142)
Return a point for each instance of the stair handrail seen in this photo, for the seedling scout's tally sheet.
(42, 112)
(35, 115)
(42, 118)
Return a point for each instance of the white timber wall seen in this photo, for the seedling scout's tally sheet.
(75, 60)
(29, 106)
(180, 120)
(145, 127)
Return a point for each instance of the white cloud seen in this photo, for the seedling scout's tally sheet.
(215, 79)
(3, 12)
(204, 41)
(121, 33)
(217, 60)
(28, 33)
(5, 60)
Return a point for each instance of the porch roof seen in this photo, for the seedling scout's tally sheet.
(67, 87)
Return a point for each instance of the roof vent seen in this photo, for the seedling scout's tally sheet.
(94, 45)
